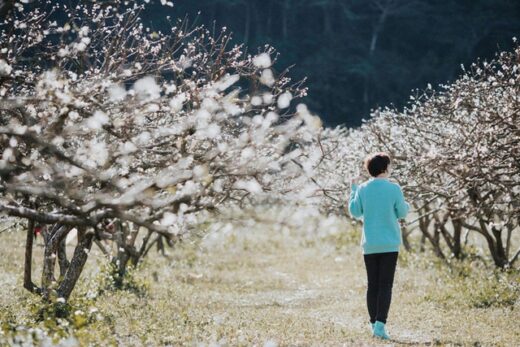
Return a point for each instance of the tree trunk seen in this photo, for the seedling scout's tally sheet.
(62, 257)
(269, 19)
(285, 30)
(500, 249)
(77, 263)
(27, 275)
(424, 223)
(120, 261)
(371, 51)
(404, 237)
(327, 27)
(423, 242)
(495, 246)
(457, 235)
(247, 27)
(49, 260)
(54, 237)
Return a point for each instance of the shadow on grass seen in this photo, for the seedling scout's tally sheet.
(434, 342)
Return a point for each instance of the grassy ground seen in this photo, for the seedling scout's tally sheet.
(262, 286)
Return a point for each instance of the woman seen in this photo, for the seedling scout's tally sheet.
(380, 203)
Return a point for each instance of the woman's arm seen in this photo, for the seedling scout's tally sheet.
(401, 206)
(355, 207)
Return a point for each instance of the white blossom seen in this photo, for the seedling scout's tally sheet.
(147, 88)
(177, 102)
(64, 51)
(227, 81)
(252, 186)
(262, 60)
(143, 138)
(127, 148)
(5, 68)
(256, 100)
(247, 153)
(168, 219)
(267, 77)
(268, 98)
(213, 131)
(97, 120)
(284, 100)
(116, 92)
(167, 3)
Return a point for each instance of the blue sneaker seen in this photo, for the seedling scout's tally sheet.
(379, 330)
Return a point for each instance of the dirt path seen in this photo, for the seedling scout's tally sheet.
(287, 294)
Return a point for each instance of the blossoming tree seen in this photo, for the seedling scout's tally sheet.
(121, 132)
(456, 156)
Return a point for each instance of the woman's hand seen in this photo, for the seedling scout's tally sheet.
(356, 180)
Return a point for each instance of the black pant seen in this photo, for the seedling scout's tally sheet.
(380, 273)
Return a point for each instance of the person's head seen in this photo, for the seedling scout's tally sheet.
(378, 164)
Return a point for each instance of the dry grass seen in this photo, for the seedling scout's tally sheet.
(259, 286)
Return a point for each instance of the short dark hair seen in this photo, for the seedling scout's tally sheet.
(377, 163)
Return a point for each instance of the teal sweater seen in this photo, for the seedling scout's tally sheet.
(379, 203)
